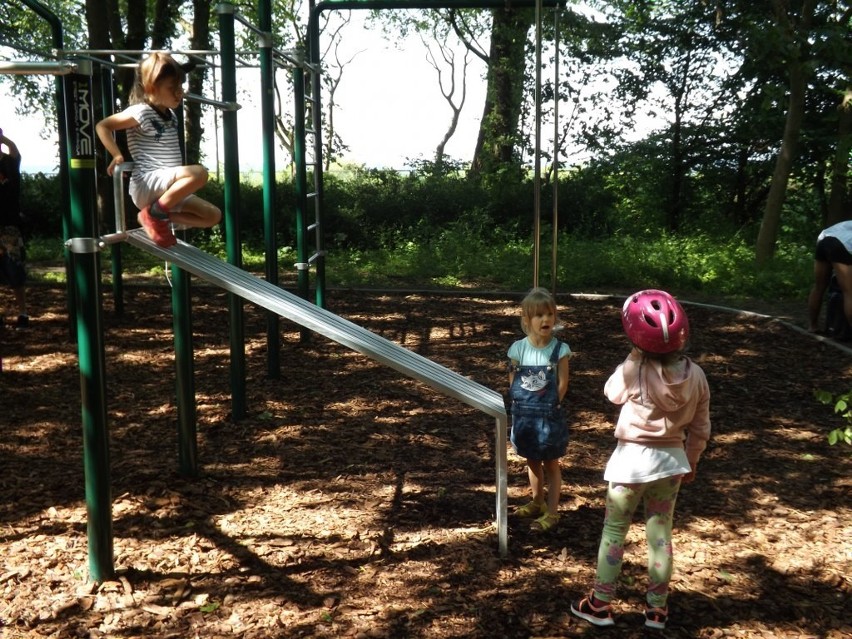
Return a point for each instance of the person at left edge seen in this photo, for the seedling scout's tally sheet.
(13, 272)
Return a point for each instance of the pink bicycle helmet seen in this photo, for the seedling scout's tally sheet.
(655, 322)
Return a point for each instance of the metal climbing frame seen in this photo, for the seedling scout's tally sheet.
(84, 246)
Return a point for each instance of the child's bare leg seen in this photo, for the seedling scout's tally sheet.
(553, 474)
(536, 475)
(844, 281)
(822, 276)
(21, 299)
(197, 213)
(188, 180)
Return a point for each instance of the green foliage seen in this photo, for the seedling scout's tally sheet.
(699, 264)
(437, 227)
(41, 204)
(45, 249)
(30, 36)
(370, 208)
(473, 253)
(842, 406)
(469, 252)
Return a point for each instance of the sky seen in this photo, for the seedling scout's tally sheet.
(390, 105)
(389, 108)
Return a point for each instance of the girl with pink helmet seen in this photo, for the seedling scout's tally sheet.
(662, 429)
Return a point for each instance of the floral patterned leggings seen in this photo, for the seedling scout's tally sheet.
(621, 502)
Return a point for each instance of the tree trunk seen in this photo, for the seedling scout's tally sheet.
(135, 40)
(96, 19)
(200, 41)
(738, 208)
(796, 38)
(136, 26)
(771, 222)
(113, 18)
(674, 212)
(498, 131)
(838, 199)
(449, 92)
(163, 27)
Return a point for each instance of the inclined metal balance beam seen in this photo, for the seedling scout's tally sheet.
(277, 300)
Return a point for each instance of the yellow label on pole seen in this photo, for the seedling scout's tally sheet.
(82, 163)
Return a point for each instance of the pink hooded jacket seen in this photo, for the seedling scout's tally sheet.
(661, 406)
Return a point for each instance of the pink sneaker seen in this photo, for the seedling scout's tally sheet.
(600, 614)
(157, 230)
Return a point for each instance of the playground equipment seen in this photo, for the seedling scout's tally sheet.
(285, 304)
(84, 244)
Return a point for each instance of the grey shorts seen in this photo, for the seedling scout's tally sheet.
(145, 189)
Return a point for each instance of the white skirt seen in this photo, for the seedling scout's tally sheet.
(639, 464)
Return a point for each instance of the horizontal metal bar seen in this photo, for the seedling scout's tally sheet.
(244, 21)
(138, 52)
(277, 300)
(225, 106)
(430, 4)
(37, 68)
(111, 238)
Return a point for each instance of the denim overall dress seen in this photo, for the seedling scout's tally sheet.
(539, 426)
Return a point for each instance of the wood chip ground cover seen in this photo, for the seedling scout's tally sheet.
(352, 501)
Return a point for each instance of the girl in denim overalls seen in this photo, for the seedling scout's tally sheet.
(538, 381)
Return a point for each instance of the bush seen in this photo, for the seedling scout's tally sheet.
(435, 226)
(843, 407)
(41, 204)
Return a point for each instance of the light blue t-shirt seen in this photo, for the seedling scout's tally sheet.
(526, 354)
(842, 231)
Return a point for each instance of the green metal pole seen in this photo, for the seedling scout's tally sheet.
(184, 372)
(65, 187)
(104, 76)
(184, 359)
(232, 206)
(300, 185)
(316, 125)
(85, 259)
(77, 176)
(267, 114)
